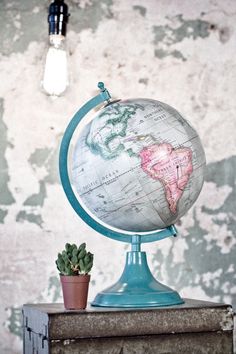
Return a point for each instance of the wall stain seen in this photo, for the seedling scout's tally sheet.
(30, 217)
(224, 34)
(143, 80)
(223, 173)
(14, 321)
(47, 158)
(54, 288)
(167, 36)
(3, 214)
(39, 157)
(53, 292)
(37, 199)
(6, 195)
(141, 9)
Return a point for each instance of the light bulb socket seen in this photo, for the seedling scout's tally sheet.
(58, 17)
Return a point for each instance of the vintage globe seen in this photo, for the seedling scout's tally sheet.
(138, 166)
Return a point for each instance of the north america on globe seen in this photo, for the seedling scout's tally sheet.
(138, 165)
(112, 126)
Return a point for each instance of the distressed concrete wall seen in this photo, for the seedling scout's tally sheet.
(180, 52)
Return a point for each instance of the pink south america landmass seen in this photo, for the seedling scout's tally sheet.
(172, 167)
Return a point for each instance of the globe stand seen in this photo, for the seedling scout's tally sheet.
(136, 287)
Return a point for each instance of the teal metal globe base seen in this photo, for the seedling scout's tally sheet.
(136, 287)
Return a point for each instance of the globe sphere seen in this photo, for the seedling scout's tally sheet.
(138, 166)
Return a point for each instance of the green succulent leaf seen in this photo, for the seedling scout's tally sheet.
(67, 262)
(57, 265)
(75, 252)
(68, 271)
(82, 254)
(59, 256)
(61, 262)
(81, 266)
(87, 259)
(74, 260)
(64, 255)
(82, 246)
(88, 267)
(67, 247)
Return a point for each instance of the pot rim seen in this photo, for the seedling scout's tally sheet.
(81, 278)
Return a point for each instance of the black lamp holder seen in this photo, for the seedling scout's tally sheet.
(58, 17)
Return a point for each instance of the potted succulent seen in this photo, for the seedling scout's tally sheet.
(74, 263)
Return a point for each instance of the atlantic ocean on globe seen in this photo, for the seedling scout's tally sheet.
(138, 166)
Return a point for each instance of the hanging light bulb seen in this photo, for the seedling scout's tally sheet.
(55, 77)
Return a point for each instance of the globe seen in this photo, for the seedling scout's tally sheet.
(131, 173)
(138, 166)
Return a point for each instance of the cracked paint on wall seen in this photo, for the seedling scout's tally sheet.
(14, 320)
(6, 197)
(141, 9)
(30, 217)
(178, 30)
(32, 206)
(163, 50)
(49, 159)
(209, 259)
(37, 199)
(3, 214)
(204, 262)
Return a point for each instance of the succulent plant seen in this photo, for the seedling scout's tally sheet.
(74, 260)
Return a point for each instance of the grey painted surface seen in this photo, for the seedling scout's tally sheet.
(174, 51)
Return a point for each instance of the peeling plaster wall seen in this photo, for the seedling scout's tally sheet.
(180, 52)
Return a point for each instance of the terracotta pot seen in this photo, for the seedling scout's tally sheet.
(75, 291)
